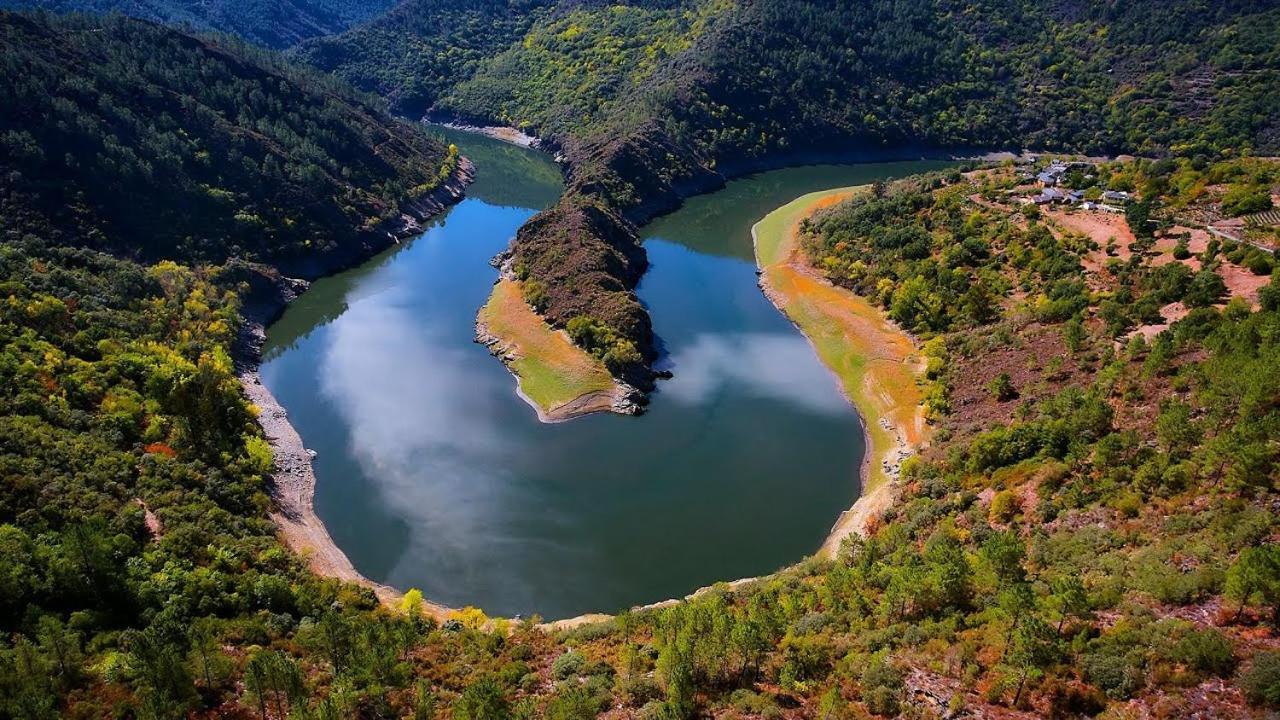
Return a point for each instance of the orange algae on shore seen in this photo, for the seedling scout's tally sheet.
(875, 363)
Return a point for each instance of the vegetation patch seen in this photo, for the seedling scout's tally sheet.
(558, 377)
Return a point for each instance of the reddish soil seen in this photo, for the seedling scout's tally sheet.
(1101, 228)
(1241, 283)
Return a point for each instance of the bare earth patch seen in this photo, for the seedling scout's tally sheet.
(1242, 283)
(1101, 228)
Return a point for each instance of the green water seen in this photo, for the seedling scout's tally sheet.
(433, 474)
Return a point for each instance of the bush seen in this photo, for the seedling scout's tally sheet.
(750, 702)
(1261, 682)
(1073, 700)
(1260, 262)
(812, 623)
(574, 702)
(570, 664)
(1114, 671)
(1206, 651)
(535, 293)
(1002, 388)
(1004, 506)
(482, 700)
(640, 690)
(881, 687)
(654, 710)
(604, 342)
(881, 701)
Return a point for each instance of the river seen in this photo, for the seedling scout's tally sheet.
(433, 474)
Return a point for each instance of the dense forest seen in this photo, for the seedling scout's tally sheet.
(420, 48)
(269, 23)
(650, 101)
(125, 136)
(1092, 531)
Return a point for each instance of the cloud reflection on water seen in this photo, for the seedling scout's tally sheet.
(421, 429)
(766, 364)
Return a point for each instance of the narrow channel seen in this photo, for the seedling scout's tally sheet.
(433, 474)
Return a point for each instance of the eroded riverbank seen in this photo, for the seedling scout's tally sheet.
(876, 364)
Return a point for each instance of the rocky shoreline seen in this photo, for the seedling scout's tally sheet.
(497, 132)
(293, 482)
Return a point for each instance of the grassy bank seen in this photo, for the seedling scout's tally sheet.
(561, 380)
(874, 362)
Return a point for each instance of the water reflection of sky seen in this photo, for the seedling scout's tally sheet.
(433, 474)
(761, 364)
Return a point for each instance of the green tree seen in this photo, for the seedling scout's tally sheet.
(1035, 647)
(274, 679)
(1255, 577)
(482, 700)
(26, 689)
(211, 666)
(1068, 598)
(1004, 551)
(63, 648)
(167, 687)
(1073, 334)
(979, 303)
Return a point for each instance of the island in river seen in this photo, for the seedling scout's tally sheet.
(553, 374)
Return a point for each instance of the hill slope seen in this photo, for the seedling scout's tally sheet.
(422, 47)
(269, 23)
(133, 498)
(650, 101)
(127, 136)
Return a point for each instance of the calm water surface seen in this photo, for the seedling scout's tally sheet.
(433, 474)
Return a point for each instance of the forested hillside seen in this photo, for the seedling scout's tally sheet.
(1092, 531)
(422, 47)
(270, 23)
(652, 100)
(125, 136)
(134, 162)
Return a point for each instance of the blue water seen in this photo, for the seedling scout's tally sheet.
(433, 474)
